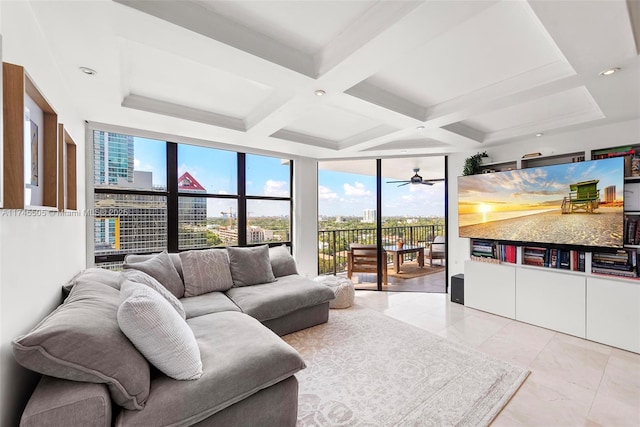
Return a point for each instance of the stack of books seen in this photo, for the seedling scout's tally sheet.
(620, 263)
(483, 249)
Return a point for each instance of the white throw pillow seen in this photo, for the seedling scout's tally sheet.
(143, 278)
(158, 332)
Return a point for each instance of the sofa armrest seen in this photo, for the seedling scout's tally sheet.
(57, 402)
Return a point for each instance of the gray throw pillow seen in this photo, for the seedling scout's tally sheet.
(161, 268)
(81, 341)
(205, 271)
(160, 334)
(282, 263)
(250, 265)
(143, 278)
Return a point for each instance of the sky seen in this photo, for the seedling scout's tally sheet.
(535, 188)
(345, 194)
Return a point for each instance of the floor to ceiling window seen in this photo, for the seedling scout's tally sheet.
(152, 195)
(411, 212)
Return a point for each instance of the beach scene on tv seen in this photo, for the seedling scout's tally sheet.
(570, 204)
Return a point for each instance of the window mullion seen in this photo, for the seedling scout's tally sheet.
(172, 197)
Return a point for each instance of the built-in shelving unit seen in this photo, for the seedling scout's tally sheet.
(33, 136)
(24, 105)
(67, 180)
(592, 295)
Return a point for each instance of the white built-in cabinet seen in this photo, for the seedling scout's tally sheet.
(551, 299)
(613, 312)
(490, 287)
(597, 308)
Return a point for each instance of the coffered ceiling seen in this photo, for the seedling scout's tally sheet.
(400, 78)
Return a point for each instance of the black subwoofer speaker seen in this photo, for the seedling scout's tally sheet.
(457, 288)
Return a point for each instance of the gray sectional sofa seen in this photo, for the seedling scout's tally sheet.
(95, 350)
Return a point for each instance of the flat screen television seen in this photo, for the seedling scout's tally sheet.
(572, 204)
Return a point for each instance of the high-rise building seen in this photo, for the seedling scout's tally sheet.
(610, 194)
(130, 223)
(113, 158)
(369, 215)
(192, 214)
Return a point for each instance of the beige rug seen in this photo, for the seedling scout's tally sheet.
(368, 369)
(411, 270)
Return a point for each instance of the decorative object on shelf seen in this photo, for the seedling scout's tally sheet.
(472, 164)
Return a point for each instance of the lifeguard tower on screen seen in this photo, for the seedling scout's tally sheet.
(584, 196)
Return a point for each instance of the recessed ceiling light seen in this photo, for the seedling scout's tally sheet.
(539, 134)
(609, 71)
(420, 128)
(320, 92)
(88, 71)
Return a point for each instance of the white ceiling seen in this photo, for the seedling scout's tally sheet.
(475, 74)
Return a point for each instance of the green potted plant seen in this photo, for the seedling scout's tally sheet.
(472, 163)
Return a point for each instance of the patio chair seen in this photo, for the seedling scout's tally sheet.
(436, 250)
(363, 259)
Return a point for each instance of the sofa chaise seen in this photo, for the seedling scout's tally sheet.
(175, 340)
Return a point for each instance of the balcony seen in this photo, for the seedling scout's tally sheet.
(333, 245)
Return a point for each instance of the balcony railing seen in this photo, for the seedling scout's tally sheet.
(333, 245)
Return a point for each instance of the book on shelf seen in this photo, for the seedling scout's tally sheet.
(554, 258)
(483, 248)
(620, 263)
(635, 166)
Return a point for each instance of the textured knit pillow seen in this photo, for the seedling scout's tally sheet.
(250, 265)
(282, 263)
(161, 335)
(161, 268)
(205, 271)
(81, 341)
(143, 278)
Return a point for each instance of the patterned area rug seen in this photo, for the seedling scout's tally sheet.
(368, 369)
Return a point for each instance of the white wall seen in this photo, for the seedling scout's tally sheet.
(613, 135)
(38, 254)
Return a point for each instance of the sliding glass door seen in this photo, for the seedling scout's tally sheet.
(371, 206)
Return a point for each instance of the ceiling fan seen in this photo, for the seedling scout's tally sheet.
(416, 179)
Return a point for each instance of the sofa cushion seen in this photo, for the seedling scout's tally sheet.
(156, 329)
(271, 300)
(57, 402)
(250, 265)
(239, 357)
(144, 279)
(93, 275)
(175, 259)
(161, 268)
(282, 263)
(213, 302)
(81, 341)
(205, 271)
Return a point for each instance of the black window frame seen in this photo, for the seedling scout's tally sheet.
(173, 195)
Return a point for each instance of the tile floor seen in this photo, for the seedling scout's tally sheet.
(573, 382)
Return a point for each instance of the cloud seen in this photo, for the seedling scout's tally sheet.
(356, 190)
(137, 165)
(325, 193)
(276, 188)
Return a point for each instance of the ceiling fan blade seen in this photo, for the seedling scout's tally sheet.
(434, 180)
(406, 183)
(426, 183)
(394, 182)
